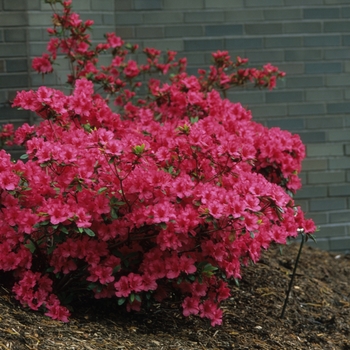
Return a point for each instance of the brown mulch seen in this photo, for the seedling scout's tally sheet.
(317, 315)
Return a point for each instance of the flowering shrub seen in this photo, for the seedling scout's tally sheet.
(164, 200)
(6, 135)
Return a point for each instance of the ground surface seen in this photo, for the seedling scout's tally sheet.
(317, 315)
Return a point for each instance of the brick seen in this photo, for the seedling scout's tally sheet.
(12, 50)
(34, 5)
(14, 5)
(183, 4)
(345, 12)
(307, 109)
(307, 192)
(338, 80)
(1, 35)
(37, 80)
(292, 68)
(223, 30)
(285, 41)
(321, 12)
(303, 55)
(324, 123)
(340, 107)
(204, 17)
(164, 17)
(203, 44)
(346, 40)
(284, 96)
(302, 27)
(324, 150)
(97, 17)
(347, 149)
(244, 16)
(339, 163)
(42, 18)
(327, 204)
(323, 67)
(183, 31)
(336, 54)
(2, 66)
(225, 4)
(37, 49)
(150, 32)
(14, 80)
(263, 28)
(128, 18)
(336, 26)
(13, 66)
(302, 2)
(195, 58)
(288, 124)
(312, 136)
(282, 14)
(252, 3)
(36, 34)
(340, 244)
(304, 204)
(305, 81)
(123, 5)
(263, 111)
(246, 98)
(339, 191)
(168, 44)
(322, 40)
(339, 135)
(324, 95)
(125, 32)
(263, 56)
(246, 43)
(331, 231)
(108, 19)
(18, 35)
(326, 177)
(104, 5)
(315, 164)
(13, 19)
(148, 4)
(342, 216)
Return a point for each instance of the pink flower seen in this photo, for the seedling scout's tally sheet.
(190, 306)
(42, 64)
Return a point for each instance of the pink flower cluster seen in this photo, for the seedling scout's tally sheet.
(6, 134)
(166, 199)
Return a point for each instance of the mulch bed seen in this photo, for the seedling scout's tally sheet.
(317, 315)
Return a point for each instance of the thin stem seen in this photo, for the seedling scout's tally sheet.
(293, 275)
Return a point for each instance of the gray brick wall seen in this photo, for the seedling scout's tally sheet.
(310, 40)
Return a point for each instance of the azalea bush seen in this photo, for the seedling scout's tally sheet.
(162, 200)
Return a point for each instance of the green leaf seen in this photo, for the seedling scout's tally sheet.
(121, 301)
(132, 297)
(116, 269)
(64, 230)
(89, 232)
(114, 214)
(24, 156)
(163, 225)
(209, 268)
(31, 246)
(102, 189)
(194, 120)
